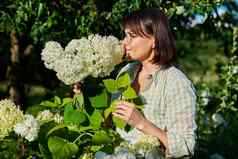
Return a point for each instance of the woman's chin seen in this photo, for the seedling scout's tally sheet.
(129, 57)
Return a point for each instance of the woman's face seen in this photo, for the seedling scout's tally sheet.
(138, 47)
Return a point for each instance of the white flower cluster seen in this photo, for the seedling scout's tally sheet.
(121, 153)
(58, 118)
(46, 115)
(96, 56)
(52, 51)
(28, 129)
(147, 147)
(145, 144)
(10, 114)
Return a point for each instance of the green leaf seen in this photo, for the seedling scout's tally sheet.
(107, 112)
(56, 128)
(101, 137)
(73, 116)
(180, 10)
(85, 128)
(113, 105)
(95, 148)
(78, 100)
(57, 100)
(129, 93)
(100, 101)
(40, 10)
(110, 85)
(123, 81)
(61, 148)
(119, 122)
(140, 107)
(96, 119)
(67, 101)
(44, 152)
(48, 104)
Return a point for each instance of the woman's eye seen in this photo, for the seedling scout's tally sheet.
(133, 35)
(130, 35)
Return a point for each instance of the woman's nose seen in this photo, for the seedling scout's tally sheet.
(126, 40)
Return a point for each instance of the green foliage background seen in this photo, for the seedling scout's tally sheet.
(206, 52)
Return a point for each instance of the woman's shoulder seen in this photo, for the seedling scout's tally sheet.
(175, 75)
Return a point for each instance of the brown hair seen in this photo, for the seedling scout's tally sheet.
(153, 22)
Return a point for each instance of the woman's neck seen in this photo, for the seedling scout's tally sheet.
(149, 67)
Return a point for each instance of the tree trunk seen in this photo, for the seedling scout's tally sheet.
(15, 73)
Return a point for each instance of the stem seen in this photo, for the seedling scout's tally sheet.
(81, 136)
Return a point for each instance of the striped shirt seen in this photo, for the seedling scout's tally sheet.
(169, 104)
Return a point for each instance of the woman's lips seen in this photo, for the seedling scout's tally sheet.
(128, 56)
(128, 50)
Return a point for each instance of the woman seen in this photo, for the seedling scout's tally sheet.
(169, 112)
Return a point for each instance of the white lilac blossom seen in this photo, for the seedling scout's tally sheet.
(10, 114)
(58, 118)
(96, 56)
(86, 156)
(51, 53)
(71, 69)
(28, 129)
(121, 153)
(45, 115)
(107, 53)
(146, 144)
(147, 147)
(100, 155)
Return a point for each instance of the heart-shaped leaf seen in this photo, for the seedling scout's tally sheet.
(110, 85)
(119, 122)
(96, 119)
(107, 112)
(101, 137)
(73, 116)
(123, 81)
(129, 93)
(100, 100)
(61, 148)
(56, 128)
(67, 101)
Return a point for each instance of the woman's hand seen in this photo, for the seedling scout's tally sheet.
(128, 112)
